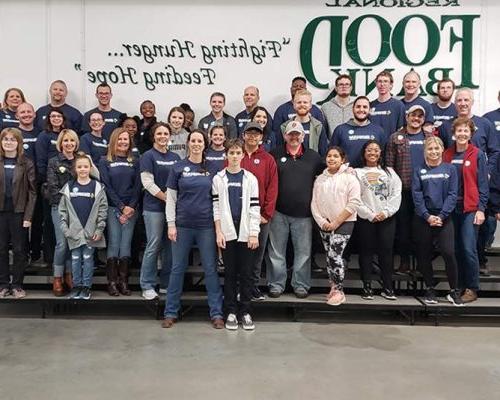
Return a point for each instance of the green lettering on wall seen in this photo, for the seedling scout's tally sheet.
(352, 40)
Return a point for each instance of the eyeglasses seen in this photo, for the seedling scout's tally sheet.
(343, 84)
(8, 139)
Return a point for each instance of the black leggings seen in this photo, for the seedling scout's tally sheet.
(425, 235)
(376, 238)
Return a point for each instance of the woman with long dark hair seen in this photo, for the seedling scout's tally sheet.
(262, 117)
(190, 220)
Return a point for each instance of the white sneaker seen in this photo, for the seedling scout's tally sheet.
(163, 290)
(231, 322)
(149, 294)
(247, 323)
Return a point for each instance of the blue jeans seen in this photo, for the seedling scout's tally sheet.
(466, 250)
(119, 235)
(205, 239)
(259, 253)
(157, 242)
(62, 258)
(82, 265)
(301, 231)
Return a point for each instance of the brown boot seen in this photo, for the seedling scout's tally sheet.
(123, 267)
(68, 281)
(57, 287)
(112, 275)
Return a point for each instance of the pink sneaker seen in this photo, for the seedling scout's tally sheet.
(337, 297)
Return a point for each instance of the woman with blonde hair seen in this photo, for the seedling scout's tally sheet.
(434, 192)
(120, 175)
(11, 100)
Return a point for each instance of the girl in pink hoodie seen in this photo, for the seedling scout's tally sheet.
(336, 197)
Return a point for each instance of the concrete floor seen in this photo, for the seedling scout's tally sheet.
(135, 359)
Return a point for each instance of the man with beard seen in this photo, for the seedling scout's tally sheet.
(339, 109)
(444, 109)
(58, 92)
(405, 153)
(352, 135)
(286, 111)
(251, 99)
(484, 138)
(387, 111)
(315, 136)
(411, 88)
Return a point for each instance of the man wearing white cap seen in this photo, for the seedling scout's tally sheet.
(298, 166)
(404, 153)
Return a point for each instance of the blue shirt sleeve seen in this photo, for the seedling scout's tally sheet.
(450, 201)
(418, 196)
(482, 181)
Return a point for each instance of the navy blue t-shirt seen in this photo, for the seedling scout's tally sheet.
(160, 165)
(9, 165)
(215, 160)
(494, 118)
(458, 162)
(443, 114)
(390, 115)
(193, 184)
(82, 199)
(351, 139)
(45, 150)
(122, 181)
(416, 149)
(95, 146)
(235, 192)
(8, 119)
(72, 115)
(29, 143)
(435, 185)
(111, 119)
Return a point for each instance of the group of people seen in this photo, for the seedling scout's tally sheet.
(426, 176)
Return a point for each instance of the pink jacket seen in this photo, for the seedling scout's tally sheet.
(334, 193)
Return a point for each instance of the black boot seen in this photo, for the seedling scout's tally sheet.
(112, 275)
(123, 268)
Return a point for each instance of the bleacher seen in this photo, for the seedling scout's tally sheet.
(409, 306)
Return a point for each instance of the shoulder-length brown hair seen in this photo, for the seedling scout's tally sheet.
(111, 155)
(17, 135)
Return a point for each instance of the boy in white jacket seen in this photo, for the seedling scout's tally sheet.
(235, 194)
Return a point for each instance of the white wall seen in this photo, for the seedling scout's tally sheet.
(44, 40)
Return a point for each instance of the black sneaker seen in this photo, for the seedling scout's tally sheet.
(247, 323)
(430, 296)
(75, 293)
(85, 293)
(367, 293)
(388, 294)
(454, 298)
(257, 294)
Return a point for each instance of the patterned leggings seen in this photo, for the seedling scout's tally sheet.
(335, 244)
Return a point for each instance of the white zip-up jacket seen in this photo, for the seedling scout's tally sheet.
(250, 209)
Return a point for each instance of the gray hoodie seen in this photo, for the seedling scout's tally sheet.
(71, 226)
